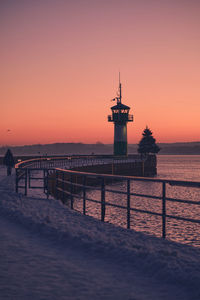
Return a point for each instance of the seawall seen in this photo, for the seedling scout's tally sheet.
(137, 168)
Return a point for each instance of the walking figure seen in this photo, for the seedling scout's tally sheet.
(9, 161)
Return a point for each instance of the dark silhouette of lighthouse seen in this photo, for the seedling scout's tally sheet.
(120, 116)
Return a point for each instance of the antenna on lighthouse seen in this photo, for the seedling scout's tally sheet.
(120, 91)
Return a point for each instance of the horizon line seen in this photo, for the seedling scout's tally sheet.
(96, 143)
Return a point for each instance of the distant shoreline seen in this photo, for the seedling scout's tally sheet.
(190, 148)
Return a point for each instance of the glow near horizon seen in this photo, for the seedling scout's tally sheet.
(60, 63)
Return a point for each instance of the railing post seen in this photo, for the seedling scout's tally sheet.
(26, 181)
(56, 185)
(128, 203)
(103, 207)
(63, 187)
(47, 183)
(163, 210)
(16, 180)
(29, 179)
(84, 195)
(71, 190)
(44, 180)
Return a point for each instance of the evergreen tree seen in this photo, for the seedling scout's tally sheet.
(147, 144)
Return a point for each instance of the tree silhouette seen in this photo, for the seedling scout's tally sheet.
(147, 144)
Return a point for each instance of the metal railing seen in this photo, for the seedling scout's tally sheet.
(75, 161)
(68, 185)
(120, 117)
(67, 177)
(25, 168)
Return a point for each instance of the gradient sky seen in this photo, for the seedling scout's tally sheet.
(60, 62)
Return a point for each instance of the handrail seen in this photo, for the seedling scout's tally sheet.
(135, 178)
(29, 162)
(68, 158)
(61, 191)
(60, 188)
(69, 184)
(76, 161)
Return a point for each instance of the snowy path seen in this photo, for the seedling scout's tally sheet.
(34, 268)
(50, 252)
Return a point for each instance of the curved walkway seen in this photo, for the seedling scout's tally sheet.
(49, 252)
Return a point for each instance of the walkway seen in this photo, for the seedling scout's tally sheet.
(51, 259)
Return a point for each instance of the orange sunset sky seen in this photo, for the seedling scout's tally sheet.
(60, 61)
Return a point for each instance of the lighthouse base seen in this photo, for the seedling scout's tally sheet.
(120, 148)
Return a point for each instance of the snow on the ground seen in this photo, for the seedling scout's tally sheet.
(48, 251)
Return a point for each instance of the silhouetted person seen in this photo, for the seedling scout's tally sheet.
(8, 161)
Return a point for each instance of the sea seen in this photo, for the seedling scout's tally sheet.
(178, 167)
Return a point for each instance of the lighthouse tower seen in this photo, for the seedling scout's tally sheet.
(120, 116)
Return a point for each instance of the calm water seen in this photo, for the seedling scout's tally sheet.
(183, 167)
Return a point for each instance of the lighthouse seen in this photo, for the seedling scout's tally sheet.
(120, 116)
